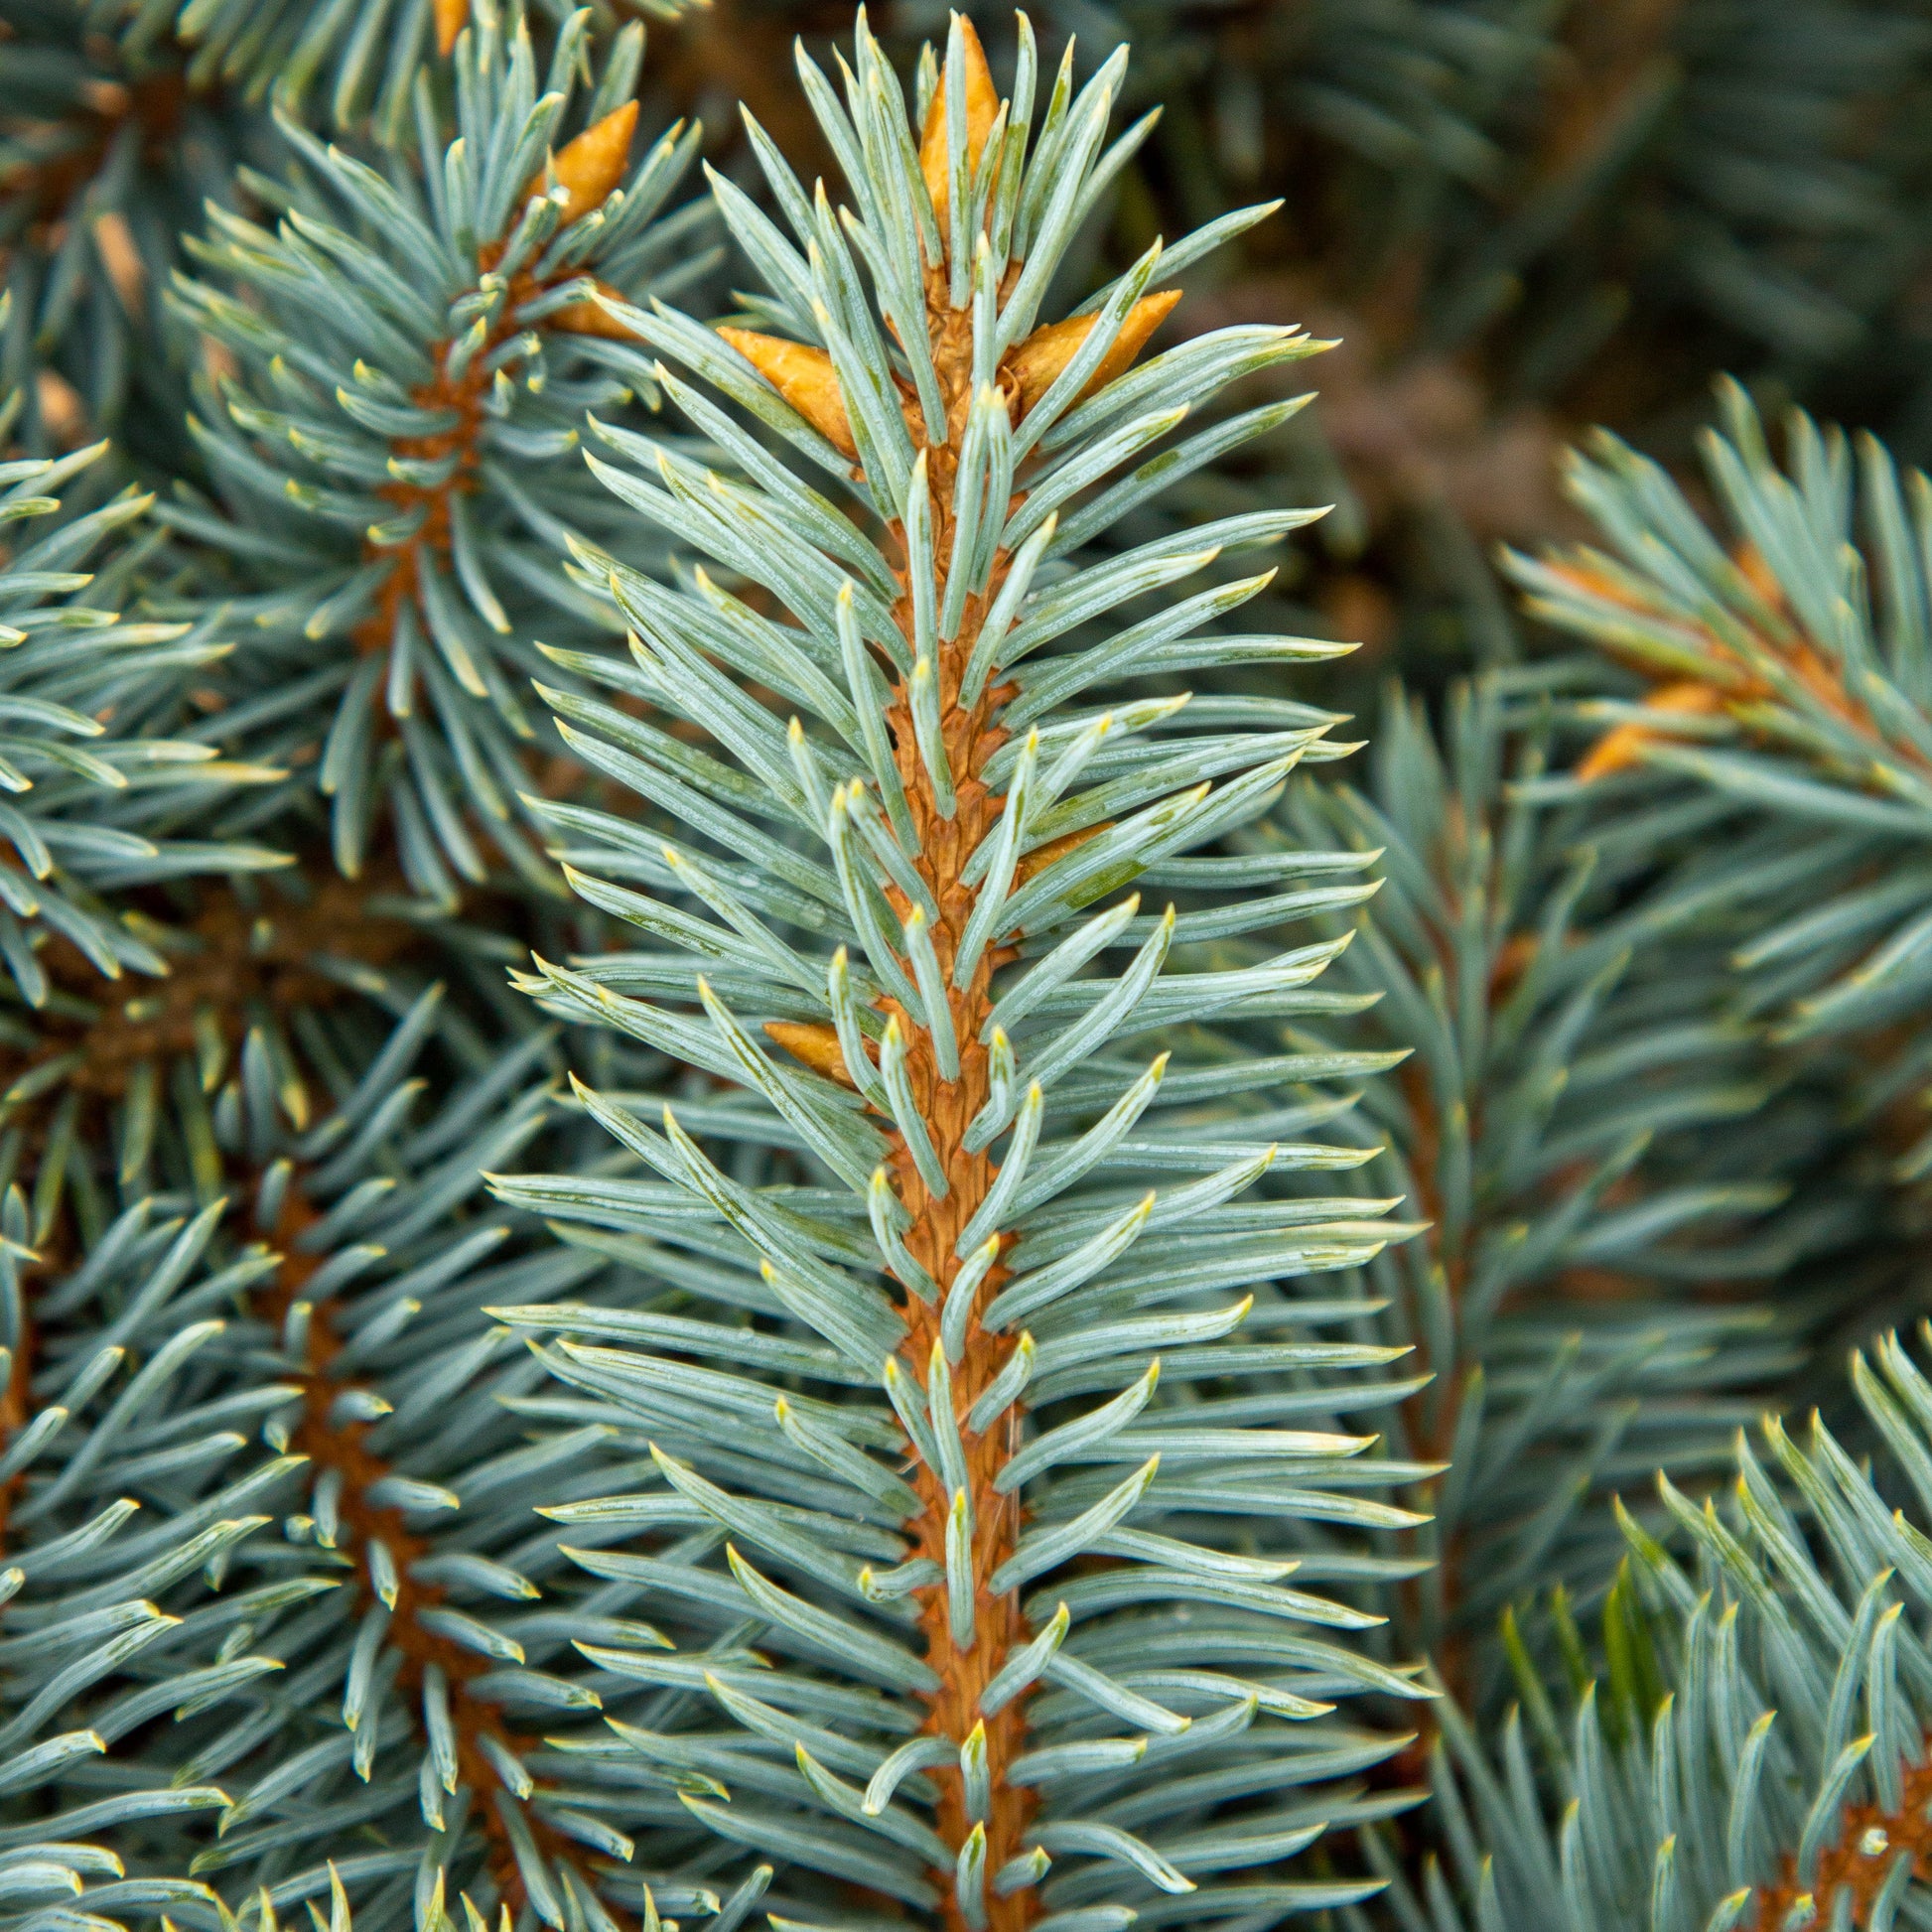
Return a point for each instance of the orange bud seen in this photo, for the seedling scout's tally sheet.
(452, 16)
(114, 240)
(804, 377)
(593, 164)
(1759, 575)
(982, 111)
(816, 1046)
(1046, 351)
(64, 415)
(1623, 746)
(587, 318)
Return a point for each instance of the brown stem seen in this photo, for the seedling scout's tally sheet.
(948, 1108)
(231, 960)
(243, 961)
(344, 1447)
(971, 734)
(465, 396)
(589, 168)
(1869, 1839)
(1728, 683)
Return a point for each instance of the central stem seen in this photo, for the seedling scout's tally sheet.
(947, 1107)
(331, 1443)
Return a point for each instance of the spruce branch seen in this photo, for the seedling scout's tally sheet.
(262, 1075)
(946, 1192)
(348, 1336)
(124, 1510)
(409, 354)
(1753, 1754)
(1584, 1306)
(96, 753)
(891, 1461)
(362, 1319)
(1777, 674)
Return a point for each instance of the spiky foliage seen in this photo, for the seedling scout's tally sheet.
(346, 66)
(92, 696)
(147, 1348)
(375, 1551)
(1777, 678)
(410, 1682)
(222, 1222)
(125, 1491)
(413, 347)
(912, 1478)
(1584, 1297)
(937, 1387)
(1755, 1755)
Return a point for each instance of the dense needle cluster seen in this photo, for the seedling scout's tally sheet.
(748, 1174)
(998, 1546)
